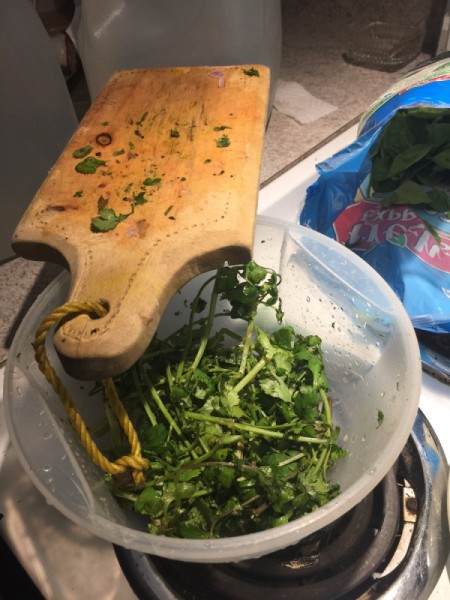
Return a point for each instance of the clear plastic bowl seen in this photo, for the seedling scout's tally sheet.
(371, 358)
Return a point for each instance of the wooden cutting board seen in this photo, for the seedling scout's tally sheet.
(158, 184)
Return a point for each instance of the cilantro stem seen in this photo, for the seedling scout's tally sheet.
(250, 428)
(233, 425)
(326, 407)
(126, 495)
(142, 398)
(154, 394)
(323, 458)
(251, 374)
(187, 346)
(206, 333)
(169, 377)
(174, 425)
(223, 442)
(246, 348)
(321, 461)
(199, 493)
(291, 459)
(310, 440)
(235, 508)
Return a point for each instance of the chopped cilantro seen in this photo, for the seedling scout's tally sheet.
(104, 123)
(152, 181)
(240, 434)
(108, 219)
(139, 199)
(223, 141)
(251, 72)
(380, 418)
(142, 119)
(82, 152)
(168, 209)
(221, 127)
(138, 134)
(89, 165)
(118, 152)
(102, 202)
(207, 160)
(78, 194)
(174, 133)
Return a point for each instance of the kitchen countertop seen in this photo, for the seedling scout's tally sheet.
(313, 41)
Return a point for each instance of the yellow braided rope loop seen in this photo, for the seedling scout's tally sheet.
(134, 461)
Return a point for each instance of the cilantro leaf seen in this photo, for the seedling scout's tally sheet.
(89, 165)
(151, 181)
(107, 220)
(82, 152)
(252, 72)
(223, 142)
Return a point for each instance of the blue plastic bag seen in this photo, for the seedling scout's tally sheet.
(408, 245)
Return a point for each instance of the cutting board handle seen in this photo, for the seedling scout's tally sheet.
(95, 348)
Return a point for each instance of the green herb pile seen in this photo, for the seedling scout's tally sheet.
(238, 429)
(411, 160)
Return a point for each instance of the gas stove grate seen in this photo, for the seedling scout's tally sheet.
(377, 548)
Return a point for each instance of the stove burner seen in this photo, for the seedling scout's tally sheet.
(362, 555)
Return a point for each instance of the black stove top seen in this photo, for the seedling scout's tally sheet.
(391, 544)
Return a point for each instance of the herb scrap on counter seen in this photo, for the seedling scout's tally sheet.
(237, 427)
(411, 159)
